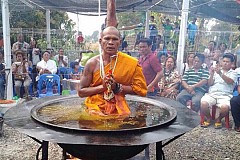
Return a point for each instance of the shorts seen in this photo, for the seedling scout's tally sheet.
(217, 100)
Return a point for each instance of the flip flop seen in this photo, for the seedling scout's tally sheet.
(218, 125)
(205, 124)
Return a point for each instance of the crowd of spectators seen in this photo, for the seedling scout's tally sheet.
(208, 78)
(29, 62)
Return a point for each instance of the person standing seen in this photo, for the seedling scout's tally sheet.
(192, 30)
(153, 29)
(156, 46)
(151, 66)
(139, 36)
(34, 54)
(175, 37)
(211, 56)
(19, 45)
(168, 28)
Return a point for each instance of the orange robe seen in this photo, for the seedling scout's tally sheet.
(126, 72)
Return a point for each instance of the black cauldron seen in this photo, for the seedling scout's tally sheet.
(61, 113)
(93, 143)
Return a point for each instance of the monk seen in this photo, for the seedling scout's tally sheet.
(105, 87)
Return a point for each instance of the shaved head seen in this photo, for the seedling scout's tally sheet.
(110, 40)
(110, 29)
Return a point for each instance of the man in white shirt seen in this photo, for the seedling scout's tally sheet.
(46, 65)
(221, 84)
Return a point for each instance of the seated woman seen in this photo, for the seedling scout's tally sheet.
(162, 58)
(170, 80)
(20, 73)
(189, 62)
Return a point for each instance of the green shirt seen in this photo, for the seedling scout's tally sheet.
(191, 77)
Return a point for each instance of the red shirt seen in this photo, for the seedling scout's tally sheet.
(150, 66)
(80, 39)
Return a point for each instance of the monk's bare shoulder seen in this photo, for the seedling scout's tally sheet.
(92, 64)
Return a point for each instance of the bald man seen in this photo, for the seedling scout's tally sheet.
(123, 75)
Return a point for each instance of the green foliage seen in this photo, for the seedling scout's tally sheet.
(130, 18)
(27, 19)
(226, 33)
(87, 56)
(36, 19)
(93, 37)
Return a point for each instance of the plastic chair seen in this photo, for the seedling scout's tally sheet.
(47, 85)
(214, 108)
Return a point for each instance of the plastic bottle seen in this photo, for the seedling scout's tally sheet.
(65, 87)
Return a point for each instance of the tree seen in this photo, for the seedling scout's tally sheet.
(36, 19)
(226, 32)
(94, 36)
(128, 19)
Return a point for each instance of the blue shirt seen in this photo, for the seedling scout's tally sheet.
(192, 29)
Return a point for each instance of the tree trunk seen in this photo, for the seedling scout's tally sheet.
(111, 14)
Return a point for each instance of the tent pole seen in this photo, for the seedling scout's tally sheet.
(182, 35)
(7, 48)
(147, 24)
(77, 23)
(48, 28)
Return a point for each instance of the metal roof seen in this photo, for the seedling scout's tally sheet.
(225, 10)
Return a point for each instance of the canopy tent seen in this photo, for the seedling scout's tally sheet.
(225, 10)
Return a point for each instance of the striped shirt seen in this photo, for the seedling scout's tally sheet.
(191, 77)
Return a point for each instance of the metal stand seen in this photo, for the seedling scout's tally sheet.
(64, 156)
(44, 150)
(43, 147)
(1, 125)
(159, 151)
(159, 148)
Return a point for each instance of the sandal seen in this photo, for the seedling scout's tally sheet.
(218, 125)
(205, 124)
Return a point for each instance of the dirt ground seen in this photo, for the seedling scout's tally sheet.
(200, 144)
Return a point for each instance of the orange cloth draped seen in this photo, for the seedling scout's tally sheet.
(127, 72)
